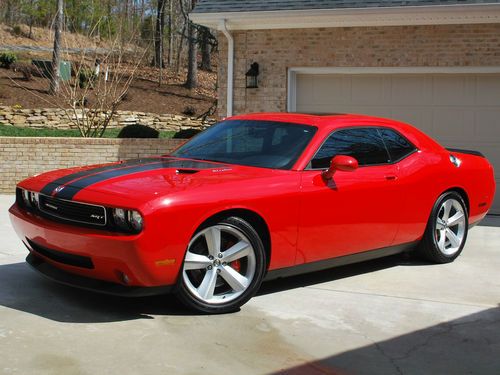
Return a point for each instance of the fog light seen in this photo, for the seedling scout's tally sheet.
(123, 277)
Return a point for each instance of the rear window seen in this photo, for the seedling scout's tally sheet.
(397, 145)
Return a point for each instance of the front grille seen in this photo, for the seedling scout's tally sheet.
(60, 257)
(73, 211)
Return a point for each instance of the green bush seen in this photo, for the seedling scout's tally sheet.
(138, 131)
(186, 133)
(7, 59)
(17, 30)
(86, 78)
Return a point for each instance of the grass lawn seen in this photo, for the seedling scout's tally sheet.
(13, 131)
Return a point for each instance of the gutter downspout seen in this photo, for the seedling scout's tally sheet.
(230, 67)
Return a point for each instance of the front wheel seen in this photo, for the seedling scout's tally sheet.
(223, 267)
(447, 228)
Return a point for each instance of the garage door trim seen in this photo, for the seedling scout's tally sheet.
(293, 72)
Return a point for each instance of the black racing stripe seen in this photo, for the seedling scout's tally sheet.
(49, 188)
(72, 189)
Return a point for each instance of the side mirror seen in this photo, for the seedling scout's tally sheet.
(340, 163)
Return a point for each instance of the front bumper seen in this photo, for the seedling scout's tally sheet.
(94, 285)
(104, 259)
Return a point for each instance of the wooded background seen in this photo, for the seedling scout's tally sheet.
(159, 25)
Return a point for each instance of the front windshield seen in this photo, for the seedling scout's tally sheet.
(256, 143)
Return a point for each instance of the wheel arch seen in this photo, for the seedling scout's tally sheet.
(460, 191)
(252, 217)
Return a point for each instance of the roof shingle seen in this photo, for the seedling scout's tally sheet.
(222, 6)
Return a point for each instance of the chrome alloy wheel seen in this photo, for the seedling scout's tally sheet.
(450, 227)
(219, 265)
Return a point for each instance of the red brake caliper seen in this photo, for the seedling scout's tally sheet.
(236, 265)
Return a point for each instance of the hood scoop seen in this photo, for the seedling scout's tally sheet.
(187, 171)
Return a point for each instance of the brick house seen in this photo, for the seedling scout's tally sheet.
(432, 63)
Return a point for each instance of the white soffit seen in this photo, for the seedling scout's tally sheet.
(382, 16)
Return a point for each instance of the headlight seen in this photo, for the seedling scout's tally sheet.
(26, 197)
(135, 220)
(30, 199)
(35, 201)
(128, 220)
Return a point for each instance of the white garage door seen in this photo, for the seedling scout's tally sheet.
(458, 110)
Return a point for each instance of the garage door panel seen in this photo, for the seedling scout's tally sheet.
(458, 110)
(487, 90)
(368, 90)
(487, 124)
(420, 92)
(453, 90)
(453, 123)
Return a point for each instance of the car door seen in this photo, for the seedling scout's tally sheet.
(354, 211)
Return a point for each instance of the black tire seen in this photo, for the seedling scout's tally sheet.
(185, 291)
(429, 247)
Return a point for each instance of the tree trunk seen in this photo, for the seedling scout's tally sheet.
(192, 75)
(158, 42)
(206, 63)
(170, 32)
(56, 55)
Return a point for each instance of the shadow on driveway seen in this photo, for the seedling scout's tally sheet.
(468, 345)
(24, 290)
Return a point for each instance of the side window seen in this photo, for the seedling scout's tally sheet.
(363, 144)
(397, 145)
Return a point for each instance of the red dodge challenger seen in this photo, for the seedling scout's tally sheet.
(252, 198)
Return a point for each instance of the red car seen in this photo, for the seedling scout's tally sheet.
(254, 197)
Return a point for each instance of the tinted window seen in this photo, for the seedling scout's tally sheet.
(397, 145)
(363, 144)
(267, 144)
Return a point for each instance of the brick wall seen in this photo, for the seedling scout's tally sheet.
(395, 46)
(23, 157)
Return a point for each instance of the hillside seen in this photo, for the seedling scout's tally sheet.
(144, 94)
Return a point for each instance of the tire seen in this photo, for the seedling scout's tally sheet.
(223, 268)
(446, 231)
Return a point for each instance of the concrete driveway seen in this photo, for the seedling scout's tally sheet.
(391, 316)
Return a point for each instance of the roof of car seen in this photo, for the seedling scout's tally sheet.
(319, 120)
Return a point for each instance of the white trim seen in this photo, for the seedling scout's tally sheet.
(292, 74)
(351, 17)
(230, 67)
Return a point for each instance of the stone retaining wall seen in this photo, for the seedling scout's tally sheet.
(55, 118)
(24, 157)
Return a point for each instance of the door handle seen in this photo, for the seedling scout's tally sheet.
(391, 177)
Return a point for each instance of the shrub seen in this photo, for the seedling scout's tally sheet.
(189, 111)
(25, 69)
(138, 131)
(17, 30)
(7, 59)
(86, 78)
(186, 133)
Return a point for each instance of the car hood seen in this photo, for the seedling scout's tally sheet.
(140, 180)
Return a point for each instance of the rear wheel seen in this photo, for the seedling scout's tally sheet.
(447, 228)
(223, 267)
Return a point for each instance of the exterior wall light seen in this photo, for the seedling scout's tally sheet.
(252, 76)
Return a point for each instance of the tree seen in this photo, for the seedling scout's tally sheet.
(192, 75)
(56, 55)
(206, 48)
(158, 40)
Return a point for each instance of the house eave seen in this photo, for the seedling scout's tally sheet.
(353, 17)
